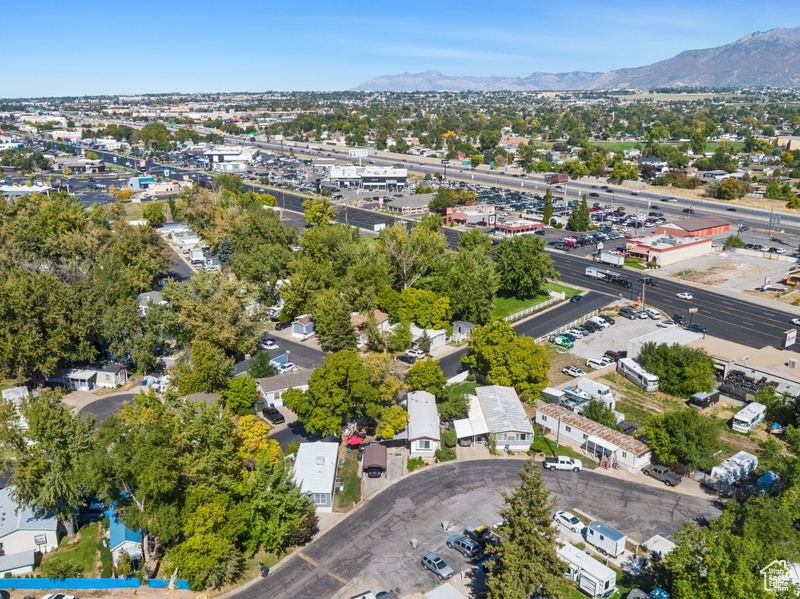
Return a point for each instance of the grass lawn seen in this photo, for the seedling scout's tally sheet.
(351, 494)
(79, 557)
(506, 306)
(635, 263)
(465, 388)
(133, 210)
(559, 288)
(548, 446)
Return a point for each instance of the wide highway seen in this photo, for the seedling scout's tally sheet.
(728, 318)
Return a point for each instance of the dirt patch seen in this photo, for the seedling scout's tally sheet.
(560, 358)
(720, 273)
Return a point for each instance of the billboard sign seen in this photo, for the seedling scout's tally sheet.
(277, 138)
(166, 172)
(789, 338)
(358, 153)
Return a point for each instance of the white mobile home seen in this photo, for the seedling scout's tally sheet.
(748, 417)
(315, 472)
(423, 425)
(593, 578)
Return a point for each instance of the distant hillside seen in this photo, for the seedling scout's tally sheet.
(771, 58)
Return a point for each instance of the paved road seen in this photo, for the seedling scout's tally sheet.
(104, 407)
(374, 541)
(537, 326)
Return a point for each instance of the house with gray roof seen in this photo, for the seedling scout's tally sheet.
(271, 390)
(423, 425)
(315, 472)
(21, 530)
(496, 411)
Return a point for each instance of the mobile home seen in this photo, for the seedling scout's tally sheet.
(749, 417)
(631, 370)
(597, 391)
(593, 578)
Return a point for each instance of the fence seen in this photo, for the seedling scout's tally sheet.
(567, 327)
(87, 583)
(558, 297)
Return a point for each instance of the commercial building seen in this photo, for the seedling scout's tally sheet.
(407, 205)
(315, 472)
(367, 177)
(482, 215)
(696, 226)
(517, 227)
(593, 437)
(13, 192)
(228, 159)
(666, 250)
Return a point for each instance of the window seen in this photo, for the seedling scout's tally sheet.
(544, 418)
(502, 436)
(624, 455)
(423, 444)
(568, 429)
(319, 498)
(585, 436)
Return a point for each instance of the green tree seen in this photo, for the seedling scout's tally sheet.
(47, 450)
(455, 405)
(91, 156)
(734, 241)
(624, 171)
(579, 218)
(318, 211)
(524, 266)
(443, 199)
(228, 182)
(496, 352)
(124, 565)
(527, 563)
(426, 375)
(208, 369)
(476, 160)
(475, 239)
(400, 337)
(470, 280)
(153, 213)
(681, 370)
(260, 366)
(685, 437)
(136, 465)
(547, 207)
(241, 394)
(225, 251)
(732, 189)
(411, 255)
(424, 308)
(600, 412)
(338, 392)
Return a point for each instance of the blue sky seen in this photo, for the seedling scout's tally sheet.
(91, 47)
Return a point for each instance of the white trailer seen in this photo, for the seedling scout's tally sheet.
(613, 259)
(608, 540)
(593, 272)
(597, 391)
(196, 256)
(593, 578)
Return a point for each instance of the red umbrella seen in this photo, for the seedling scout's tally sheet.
(354, 440)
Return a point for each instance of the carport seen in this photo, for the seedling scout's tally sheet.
(600, 448)
(374, 457)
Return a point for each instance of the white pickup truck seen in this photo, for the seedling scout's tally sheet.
(562, 463)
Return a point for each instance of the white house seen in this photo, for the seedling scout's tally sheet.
(271, 389)
(360, 321)
(595, 438)
(22, 530)
(438, 337)
(315, 472)
(423, 425)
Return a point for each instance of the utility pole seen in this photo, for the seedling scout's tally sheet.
(558, 431)
(644, 289)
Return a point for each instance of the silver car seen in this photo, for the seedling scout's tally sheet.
(437, 565)
(465, 545)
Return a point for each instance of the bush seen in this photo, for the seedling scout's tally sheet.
(734, 241)
(293, 447)
(414, 463)
(449, 438)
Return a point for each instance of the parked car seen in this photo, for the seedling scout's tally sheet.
(406, 359)
(611, 355)
(607, 318)
(267, 344)
(288, 367)
(698, 328)
(437, 565)
(628, 313)
(596, 363)
(663, 474)
(279, 326)
(568, 520)
(653, 313)
(684, 295)
(273, 415)
(572, 371)
(563, 341)
(576, 333)
(562, 463)
(667, 324)
(601, 322)
(679, 318)
(464, 545)
(480, 533)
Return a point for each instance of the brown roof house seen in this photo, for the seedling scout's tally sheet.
(359, 322)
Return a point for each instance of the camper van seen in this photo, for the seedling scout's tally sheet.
(748, 417)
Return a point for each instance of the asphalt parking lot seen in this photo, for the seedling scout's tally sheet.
(615, 337)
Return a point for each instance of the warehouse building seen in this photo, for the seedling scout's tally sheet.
(697, 226)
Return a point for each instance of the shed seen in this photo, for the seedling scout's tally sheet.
(735, 467)
(303, 327)
(315, 472)
(701, 401)
(593, 578)
(121, 538)
(374, 457)
(461, 330)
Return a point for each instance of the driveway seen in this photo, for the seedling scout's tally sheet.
(104, 407)
(395, 470)
(373, 543)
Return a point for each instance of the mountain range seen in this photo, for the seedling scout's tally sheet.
(770, 58)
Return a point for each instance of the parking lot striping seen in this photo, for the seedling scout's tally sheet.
(314, 563)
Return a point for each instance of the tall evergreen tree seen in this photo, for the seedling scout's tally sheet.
(547, 208)
(341, 334)
(527, 563)
(225, 252)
